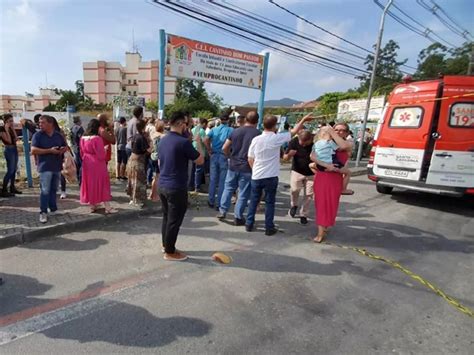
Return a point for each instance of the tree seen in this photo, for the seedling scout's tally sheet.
(191, 96)
(204, 114)
(388, 70)
(68, 97)
(152, 106)
(436, 60)
(80, 90)
(328, 102)
(50, 108)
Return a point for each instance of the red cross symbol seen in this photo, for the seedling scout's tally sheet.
(405, 117)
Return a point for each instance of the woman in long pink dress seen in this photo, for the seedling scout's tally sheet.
(328, 186)
(95, 186)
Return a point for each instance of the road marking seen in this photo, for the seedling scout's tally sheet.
(452, 301)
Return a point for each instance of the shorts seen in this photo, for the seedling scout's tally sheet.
(122, 156)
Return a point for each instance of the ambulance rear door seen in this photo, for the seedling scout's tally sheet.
(452, 162)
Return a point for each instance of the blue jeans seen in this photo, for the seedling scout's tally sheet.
(49, 181)
(197, 177)
(11, 156)
(233, 180)
(269, 185)
(218, 174)
(78, 162)
(152, 166)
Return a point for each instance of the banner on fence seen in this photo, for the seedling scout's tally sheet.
(190, 59)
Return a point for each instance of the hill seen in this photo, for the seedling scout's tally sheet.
(285, 102)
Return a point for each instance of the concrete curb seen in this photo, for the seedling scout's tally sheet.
(25, 235)
(359, 172)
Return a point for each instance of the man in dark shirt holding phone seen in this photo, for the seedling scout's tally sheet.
(50, 146)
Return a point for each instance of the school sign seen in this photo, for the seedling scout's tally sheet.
(190, 59)
(186, 58)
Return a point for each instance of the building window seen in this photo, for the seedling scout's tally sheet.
(134, 93)
(135, 82)
(124, 89)
(129, 93)
(129, 81)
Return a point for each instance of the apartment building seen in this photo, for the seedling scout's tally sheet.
(104, 80)
(29, 103)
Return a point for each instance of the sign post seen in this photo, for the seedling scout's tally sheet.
(161, 82)
(261, 103)
(26, 150)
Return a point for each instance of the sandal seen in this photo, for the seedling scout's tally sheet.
(347, 192)
(320, 238)
(110, 210)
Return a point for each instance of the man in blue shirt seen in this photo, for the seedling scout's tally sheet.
(49, 145)
(214, 142)
(239, 173)
(174, 155)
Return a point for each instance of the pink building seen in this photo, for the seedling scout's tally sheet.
(104, 80)
(31, 103)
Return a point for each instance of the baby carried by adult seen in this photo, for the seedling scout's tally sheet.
(325, 149)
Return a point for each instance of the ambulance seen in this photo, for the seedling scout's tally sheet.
(425, 138)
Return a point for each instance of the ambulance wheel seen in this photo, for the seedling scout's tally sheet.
(384, 189)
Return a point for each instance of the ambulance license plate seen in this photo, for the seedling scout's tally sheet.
(396, 173)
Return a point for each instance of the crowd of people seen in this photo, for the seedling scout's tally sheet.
(173, 157)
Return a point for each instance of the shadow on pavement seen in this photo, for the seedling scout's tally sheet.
(396, 237)
(462, 206)
(279, 263)
(65, 244)
(129, 325)
(19, 292)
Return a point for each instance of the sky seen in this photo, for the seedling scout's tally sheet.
(45, 42)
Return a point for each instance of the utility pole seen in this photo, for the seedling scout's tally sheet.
(371, 85)
(470, 68)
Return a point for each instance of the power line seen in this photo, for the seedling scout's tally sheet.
(426, 30)
(453, 26)
(257, 24)
(155, 2)
(323, 29)
(424, 33)
(255, 43)
(286, 30)
(319, 27)
(256, 34)
(260, 18)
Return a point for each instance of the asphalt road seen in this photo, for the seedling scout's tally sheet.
(110, 291)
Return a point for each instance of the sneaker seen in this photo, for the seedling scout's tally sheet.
(176, 256)
(211, 205)
(6, 194)
(292, 211)
(249, 227)
(55, 213)
(63, 195)
(239, 221)
(303, 220)
(271, 231)
(43, 217)
(221, 216)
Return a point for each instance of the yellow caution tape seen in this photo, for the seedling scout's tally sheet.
(421, 280)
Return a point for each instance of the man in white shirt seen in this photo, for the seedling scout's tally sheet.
(264, 159)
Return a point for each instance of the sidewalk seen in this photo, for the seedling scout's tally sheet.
(19, 215)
